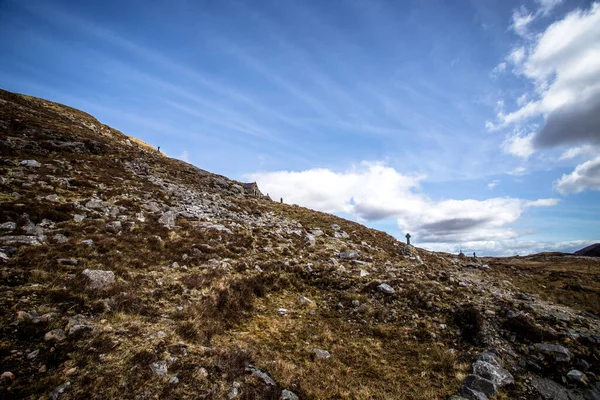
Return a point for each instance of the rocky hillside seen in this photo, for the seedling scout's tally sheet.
(127, 274)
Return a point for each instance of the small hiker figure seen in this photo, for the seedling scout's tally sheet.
(474, 255)
(281, 200)
(158, 149)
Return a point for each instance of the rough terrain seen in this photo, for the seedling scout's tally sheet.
(127, 274)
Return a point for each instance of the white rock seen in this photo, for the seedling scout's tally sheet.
(99, 279)
(304, 300)
(8, 226)
(159, 368)
(386, 289)
(30, 163)
(322, 354)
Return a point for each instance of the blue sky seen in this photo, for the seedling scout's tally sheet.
(471, 124)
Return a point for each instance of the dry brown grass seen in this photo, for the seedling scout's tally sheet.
(572, 281)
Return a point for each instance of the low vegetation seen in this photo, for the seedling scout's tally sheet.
(203, 290)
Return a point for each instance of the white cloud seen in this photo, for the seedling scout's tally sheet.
(519, 171)
(519, 145)
(546, 6)
(585, 176)
(498, 69)
(374, 191)
(563, 63)
(542, 203)
(522, 99)
(580, 151)
(493, 184)
(517, 55)
(521, 18)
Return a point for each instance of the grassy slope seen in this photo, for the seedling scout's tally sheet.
(388, 347)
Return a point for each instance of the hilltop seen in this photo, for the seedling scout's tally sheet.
(128, 274)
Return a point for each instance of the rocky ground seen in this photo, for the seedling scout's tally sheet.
(126, 274)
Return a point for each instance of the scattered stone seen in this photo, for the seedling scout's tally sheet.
(340, 235)
(52, 197)
(30, 164)
(114, 227)
(489, 357)
(3, 257)
(20, 240)
(261, 375)
(479, 384)
(523, 296)
(349, 255)
(335, 227)
(167, 219)
(8, 226)
(152, 207)
(581, 364)
(499, 376)
(471, 394)
(87, 242)
(282, 311)
(60, 390)
(316, 232)
(140, 217)
(202, 373)
(159, 368)
(550, 390)
(71, 371)
(60, 238)
(95, 204)
(304, 300)
(80, 329)
(310, 240)
(386, 289)
(99, 279)
(55, 335)
(235, 391)
(355, 303)
(210, 225)
(78, 217)
(576, 376)
(363, 273)
(287, 395)
(559, 353)
(7, 376)
(174, 380)
(33, 354)
(322, 354)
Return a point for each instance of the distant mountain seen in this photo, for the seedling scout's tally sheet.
(590, 251)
